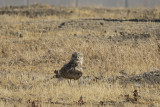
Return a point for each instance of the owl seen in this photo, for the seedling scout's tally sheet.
(73, 69)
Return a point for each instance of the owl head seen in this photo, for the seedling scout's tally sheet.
(78, 57)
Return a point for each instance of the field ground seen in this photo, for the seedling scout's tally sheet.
(121, 50)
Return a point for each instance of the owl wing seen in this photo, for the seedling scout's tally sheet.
(69, 71)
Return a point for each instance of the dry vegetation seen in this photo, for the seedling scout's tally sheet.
(118, 56)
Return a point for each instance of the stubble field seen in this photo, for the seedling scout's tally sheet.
(121, 50)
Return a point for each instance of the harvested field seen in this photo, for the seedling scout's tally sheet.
(121, 50)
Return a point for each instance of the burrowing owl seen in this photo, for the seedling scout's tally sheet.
(73, 69)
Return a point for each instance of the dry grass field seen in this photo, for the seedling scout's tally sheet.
(121, 50)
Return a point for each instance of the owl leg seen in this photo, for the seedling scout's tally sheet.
(59, 80)
(70, 82)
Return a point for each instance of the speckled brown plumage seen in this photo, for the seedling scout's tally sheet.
(72, 70)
